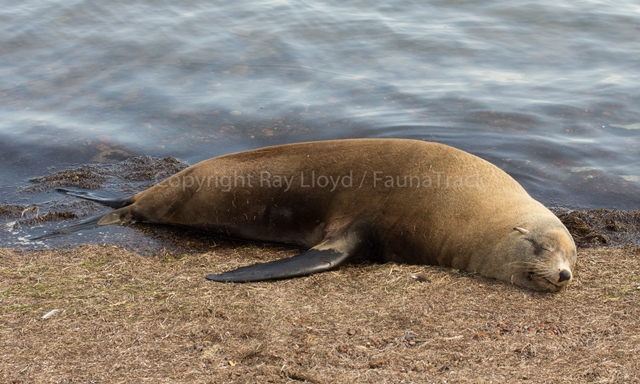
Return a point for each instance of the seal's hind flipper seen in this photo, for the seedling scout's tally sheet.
(117, 216)
(306, 263)
(89, 223)
(87, 195)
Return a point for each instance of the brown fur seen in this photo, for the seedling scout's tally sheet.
(454, 209)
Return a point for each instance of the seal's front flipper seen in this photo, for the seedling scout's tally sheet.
(306, 263)
(87, 195)
(329, 254)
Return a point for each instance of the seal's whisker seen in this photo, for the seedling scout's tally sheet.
(538, 268)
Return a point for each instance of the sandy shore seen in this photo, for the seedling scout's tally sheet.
(125, 318)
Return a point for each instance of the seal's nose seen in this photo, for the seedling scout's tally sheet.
(564, 275)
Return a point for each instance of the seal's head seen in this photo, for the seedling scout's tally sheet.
(545, 257)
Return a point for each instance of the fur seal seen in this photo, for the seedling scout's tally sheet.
(405, 201)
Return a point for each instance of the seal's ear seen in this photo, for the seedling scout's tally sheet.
(521, 230)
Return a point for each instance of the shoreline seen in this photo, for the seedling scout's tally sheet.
(49, 211)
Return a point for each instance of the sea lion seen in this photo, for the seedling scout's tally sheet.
(406, 201)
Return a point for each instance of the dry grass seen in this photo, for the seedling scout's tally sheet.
(125, 318)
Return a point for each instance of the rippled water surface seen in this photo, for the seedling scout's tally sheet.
(547, 90)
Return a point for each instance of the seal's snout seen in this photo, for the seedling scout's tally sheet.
(564, 275)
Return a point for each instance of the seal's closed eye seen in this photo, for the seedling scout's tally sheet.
(538, 248)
